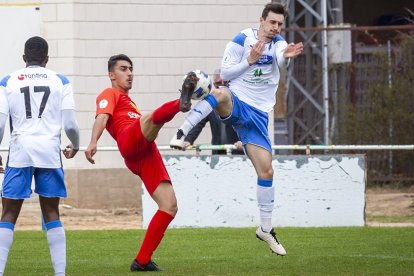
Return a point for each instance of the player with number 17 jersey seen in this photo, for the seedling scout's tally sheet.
(35, 97)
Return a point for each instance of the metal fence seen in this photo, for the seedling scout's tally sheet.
(370, 74)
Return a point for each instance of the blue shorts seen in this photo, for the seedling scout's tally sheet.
(250, 124)
(48, 182)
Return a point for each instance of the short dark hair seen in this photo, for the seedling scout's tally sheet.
(36, 50)
(114, 59)
(276, 8)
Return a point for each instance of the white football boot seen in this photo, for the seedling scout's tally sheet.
(177, 142)
(271, 240)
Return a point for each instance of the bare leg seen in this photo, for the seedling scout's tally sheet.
(163, 195)
(225, 103)
(149, 129)
(11, 209)
(165, 198)
(262, 161)
(50, 208)
(153, 122)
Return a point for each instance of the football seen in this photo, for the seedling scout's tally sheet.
(203, 86)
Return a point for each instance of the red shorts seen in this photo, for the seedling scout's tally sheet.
(142, 157)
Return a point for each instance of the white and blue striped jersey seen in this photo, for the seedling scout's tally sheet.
(34, 97)
(255, 85)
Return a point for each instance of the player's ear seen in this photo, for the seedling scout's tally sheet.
(111, 75)
(46, 60)
(24, 58)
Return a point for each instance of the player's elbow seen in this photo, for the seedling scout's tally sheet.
(72, 131)
(71, 127)
(225, 74)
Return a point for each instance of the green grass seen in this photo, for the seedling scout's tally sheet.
(226, 251)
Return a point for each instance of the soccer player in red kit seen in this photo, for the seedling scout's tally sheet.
(135, 135)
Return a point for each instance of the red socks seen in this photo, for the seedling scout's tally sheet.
(154, 235)
(166, 112)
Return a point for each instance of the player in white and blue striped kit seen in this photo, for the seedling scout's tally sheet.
(251, 64)
(38, 102)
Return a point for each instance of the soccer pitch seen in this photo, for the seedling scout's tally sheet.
(225, 251)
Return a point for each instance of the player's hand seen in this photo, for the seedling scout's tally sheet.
(256, 52)
(69, 151)
(293, 50)
(90, 152)
(1, 165)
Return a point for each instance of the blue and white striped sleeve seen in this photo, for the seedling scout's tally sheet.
(68, 101)
(280, 46)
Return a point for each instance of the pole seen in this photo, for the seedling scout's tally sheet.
(325, 72)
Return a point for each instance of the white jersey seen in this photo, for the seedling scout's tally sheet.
(255, 85)
(35, 97)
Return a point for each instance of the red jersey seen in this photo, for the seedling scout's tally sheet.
(122, 109)
(141, 157)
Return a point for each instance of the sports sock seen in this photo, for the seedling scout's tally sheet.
(166, 112)
(154, 235)
(198, 113)
(266, 202)
(57, 244)
(6, 240)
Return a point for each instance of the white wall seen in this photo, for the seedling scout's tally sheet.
(17, 23)
(165, 39)
(311, 191)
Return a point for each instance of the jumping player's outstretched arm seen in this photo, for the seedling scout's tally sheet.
(98, 127)
(293, 50)
(285, 52)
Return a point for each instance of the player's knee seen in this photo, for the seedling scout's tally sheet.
(149, 129)
(221, 95)
(169, 207)
(172, 209)
(266, 173)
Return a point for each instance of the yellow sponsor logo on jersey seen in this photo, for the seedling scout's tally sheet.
(134, 106)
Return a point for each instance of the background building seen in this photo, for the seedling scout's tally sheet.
(165, 40)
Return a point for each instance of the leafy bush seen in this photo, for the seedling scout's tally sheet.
(384, 113)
